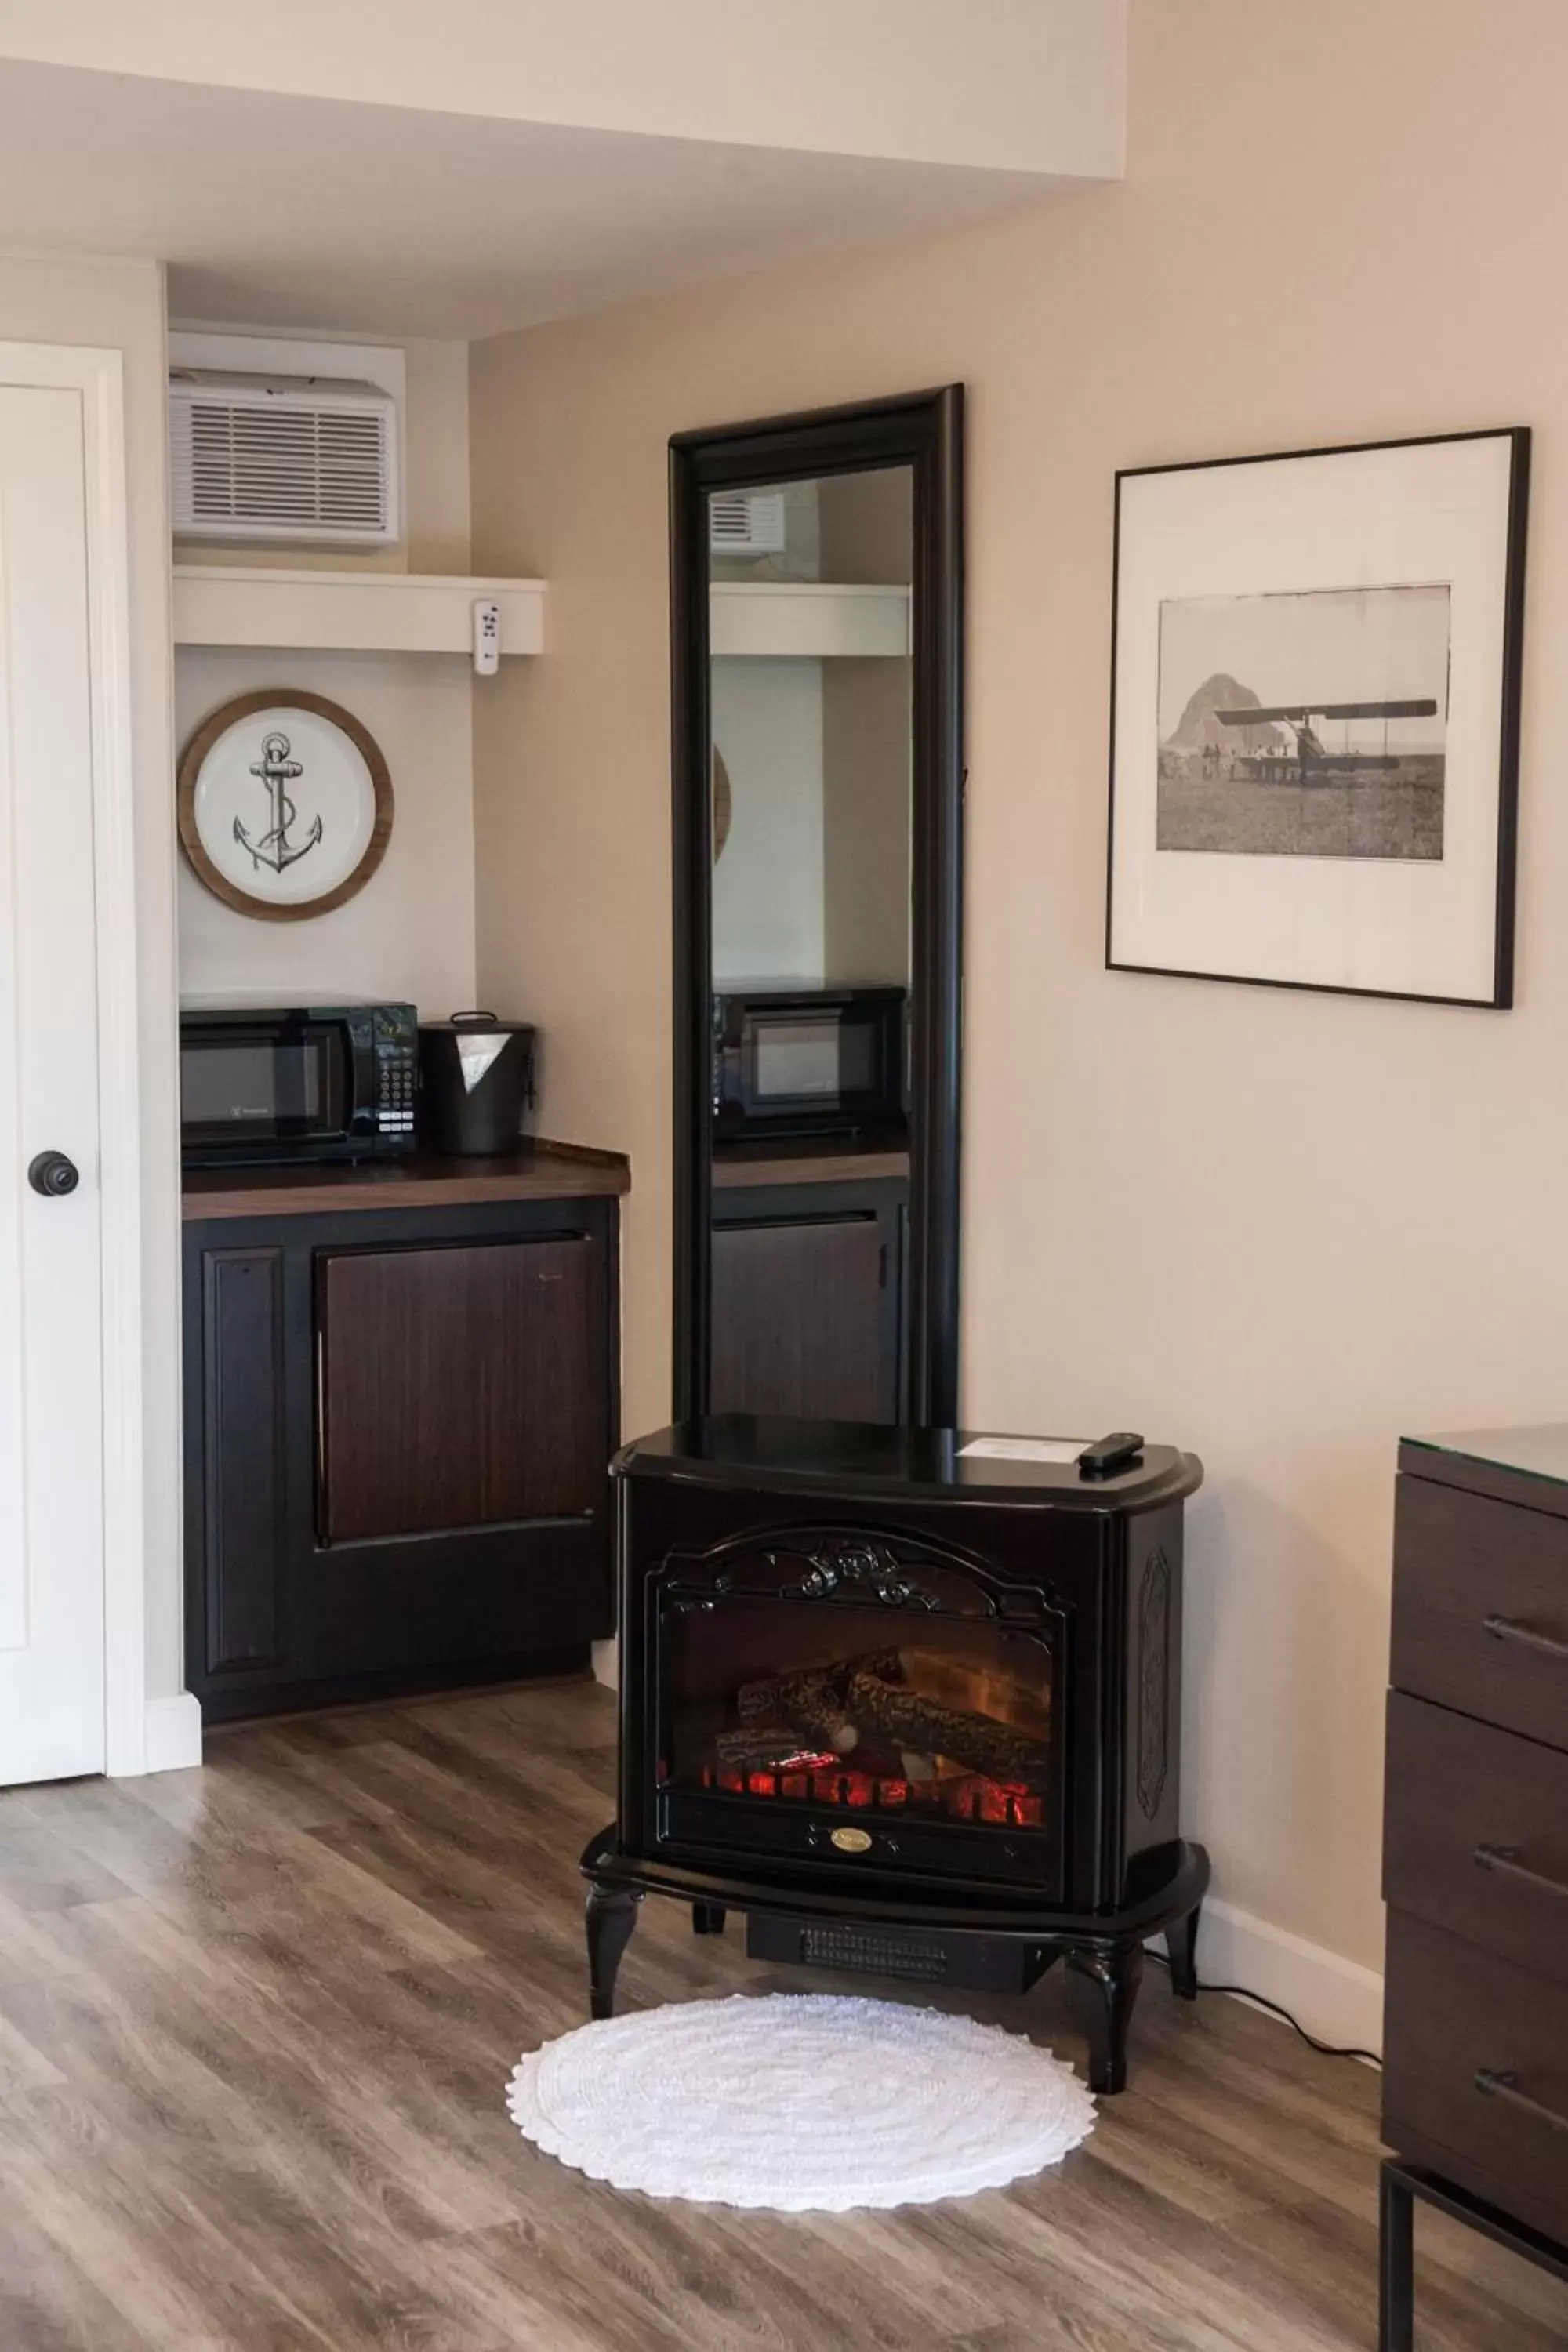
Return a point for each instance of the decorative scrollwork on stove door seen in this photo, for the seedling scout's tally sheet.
(852, 1567)
(871, 1569)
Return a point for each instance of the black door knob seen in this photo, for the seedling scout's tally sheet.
(52, 1174)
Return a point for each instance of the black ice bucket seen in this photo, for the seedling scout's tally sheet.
(475, 1075)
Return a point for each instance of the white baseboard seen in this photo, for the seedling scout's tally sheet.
(173, 1733)
(607, 1659)
(1337, 2000)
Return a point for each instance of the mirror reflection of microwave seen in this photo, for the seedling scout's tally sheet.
(265, 1083)
(808, 1061)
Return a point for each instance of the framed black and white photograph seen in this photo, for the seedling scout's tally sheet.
(1315, 717)
(285, 805)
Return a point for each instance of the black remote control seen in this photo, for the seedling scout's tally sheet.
(1119, 1451)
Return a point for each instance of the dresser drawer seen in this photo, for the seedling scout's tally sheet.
(1480, 1608)
(1457, 2020)
(1476, 1833)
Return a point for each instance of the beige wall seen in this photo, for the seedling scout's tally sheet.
(120, 304)
(1276, 1228)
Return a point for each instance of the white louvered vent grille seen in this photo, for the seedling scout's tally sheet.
(746, 523)
(307, 462)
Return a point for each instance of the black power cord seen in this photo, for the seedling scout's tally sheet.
(1324, 2049)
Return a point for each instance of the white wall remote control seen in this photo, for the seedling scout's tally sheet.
(487, 636)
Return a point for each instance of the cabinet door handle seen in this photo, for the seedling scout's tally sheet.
(1500, 2083)
(1529, 1637)
(1505, 1861)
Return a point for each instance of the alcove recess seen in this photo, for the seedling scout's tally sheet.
(395, 649)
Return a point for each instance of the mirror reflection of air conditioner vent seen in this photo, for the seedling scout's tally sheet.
(307, 459)
(746, 523)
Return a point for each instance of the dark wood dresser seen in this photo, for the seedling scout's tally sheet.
(1475, 2102)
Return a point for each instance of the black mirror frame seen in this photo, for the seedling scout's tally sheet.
(924, 431)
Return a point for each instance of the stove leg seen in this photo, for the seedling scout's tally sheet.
(708, 1918)
(612, 1913)
(1182, 1946)
(1113, 1977)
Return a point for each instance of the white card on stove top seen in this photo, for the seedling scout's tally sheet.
(1026, 1449)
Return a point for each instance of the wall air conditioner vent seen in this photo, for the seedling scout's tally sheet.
(746, 523)
(310, 460)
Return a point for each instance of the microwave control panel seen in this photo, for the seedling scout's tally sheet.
(394, 1040)
(395, 1070)
(397, 1075)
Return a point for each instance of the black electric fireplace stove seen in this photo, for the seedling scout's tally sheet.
(911, 1709)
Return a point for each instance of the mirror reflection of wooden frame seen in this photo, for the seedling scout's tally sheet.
(723, 804)
(924, 431)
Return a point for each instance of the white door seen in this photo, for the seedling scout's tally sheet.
(51, 1342)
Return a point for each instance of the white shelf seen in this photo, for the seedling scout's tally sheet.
(807, 618)
(350, 612)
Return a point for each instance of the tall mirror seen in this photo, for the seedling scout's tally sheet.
(818, 636)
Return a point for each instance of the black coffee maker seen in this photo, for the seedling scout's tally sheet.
(476, 1077)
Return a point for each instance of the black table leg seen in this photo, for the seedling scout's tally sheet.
(612, 1913)
(1115, 1976)
(1396, 2271)
(708, 1918)
(1182, 1947)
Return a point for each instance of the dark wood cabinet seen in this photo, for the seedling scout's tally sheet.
(807, 1300)
(1475, 2086)
(398, 1426)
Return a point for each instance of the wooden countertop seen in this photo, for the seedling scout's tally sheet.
(539, 1171)
(806, 1162)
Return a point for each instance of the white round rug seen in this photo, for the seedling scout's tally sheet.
(798, 2101)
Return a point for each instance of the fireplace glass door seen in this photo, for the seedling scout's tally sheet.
(793, 1715)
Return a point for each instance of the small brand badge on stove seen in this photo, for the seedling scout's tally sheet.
(852, 1841)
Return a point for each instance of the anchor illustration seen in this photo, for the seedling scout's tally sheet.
(277, 770)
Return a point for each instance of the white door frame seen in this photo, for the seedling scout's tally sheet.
(99, 377)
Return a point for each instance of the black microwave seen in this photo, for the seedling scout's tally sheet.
(261, 1083)
(808, 1061)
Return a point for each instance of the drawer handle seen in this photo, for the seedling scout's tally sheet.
(1505, 1861)
(1500, 2083)
(1529, 1637)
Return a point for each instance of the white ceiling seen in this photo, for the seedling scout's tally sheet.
(289, 211)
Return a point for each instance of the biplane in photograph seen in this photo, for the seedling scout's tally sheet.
(1313, 761)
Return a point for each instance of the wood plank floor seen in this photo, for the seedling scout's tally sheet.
(256, 2023)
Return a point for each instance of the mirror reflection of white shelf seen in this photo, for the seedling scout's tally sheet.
(810, 619)
(350, 612)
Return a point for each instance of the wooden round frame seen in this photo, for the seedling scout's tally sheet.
(218, 723)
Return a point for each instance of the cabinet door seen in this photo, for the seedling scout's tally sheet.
(457, 1386)
(801, 1319)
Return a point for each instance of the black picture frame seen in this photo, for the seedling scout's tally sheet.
(924, 431)
(1511, 623)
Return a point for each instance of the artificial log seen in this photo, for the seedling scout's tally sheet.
(807, 1697)
(759, 1748)
(811, 1699)
(900, 1718)
(770, 1699)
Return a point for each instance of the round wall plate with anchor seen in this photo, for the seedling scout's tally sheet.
(285, 803)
